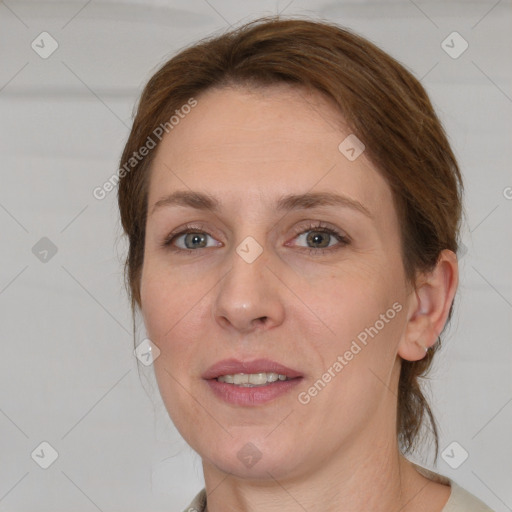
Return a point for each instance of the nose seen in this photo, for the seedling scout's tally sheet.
(249, 297)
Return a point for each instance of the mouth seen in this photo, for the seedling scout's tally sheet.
(258, 372)
(251, 382)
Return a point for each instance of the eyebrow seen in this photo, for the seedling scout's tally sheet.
(202, 201)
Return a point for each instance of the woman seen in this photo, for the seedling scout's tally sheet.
(292, 206)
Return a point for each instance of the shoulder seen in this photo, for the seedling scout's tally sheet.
(460, 500)
(463, 501)
(198, 504)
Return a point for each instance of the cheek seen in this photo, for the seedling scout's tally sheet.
(361, 308)
(156, 303)
(176, 309)
(171, 312)
(354, 297)
(168, 298)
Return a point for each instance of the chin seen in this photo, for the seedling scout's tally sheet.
(253, 457)
(263, 469)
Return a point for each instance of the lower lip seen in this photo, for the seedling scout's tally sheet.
(246, 396)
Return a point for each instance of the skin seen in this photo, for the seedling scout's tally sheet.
(298, 307)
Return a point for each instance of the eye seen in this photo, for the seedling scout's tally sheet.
(319, 238)
(190, 239)
(193, 240)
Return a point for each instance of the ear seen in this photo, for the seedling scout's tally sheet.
(428, 307)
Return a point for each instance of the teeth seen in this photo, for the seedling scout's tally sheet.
(272, 377)
(252, 379)
(241, 378)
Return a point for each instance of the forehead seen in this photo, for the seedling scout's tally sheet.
(239, 143)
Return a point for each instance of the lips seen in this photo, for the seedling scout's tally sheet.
(234, 366)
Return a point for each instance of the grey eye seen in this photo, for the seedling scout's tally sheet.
(318, 239)
(194, 241)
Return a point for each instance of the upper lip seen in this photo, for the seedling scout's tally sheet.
(233, 366)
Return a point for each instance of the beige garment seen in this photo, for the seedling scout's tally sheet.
(460, 500)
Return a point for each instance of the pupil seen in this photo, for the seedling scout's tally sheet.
(195, 240)
(318, 238)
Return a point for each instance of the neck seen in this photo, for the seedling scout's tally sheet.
(376, 478)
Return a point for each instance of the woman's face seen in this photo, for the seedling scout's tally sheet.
(292, 256)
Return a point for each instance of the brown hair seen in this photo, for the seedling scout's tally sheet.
(384, 105)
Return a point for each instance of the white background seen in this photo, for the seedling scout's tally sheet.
(67, 371)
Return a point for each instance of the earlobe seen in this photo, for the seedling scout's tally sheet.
(429, 306)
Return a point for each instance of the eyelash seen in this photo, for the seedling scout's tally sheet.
(322, 228)
(319, 227)
(188, 229)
